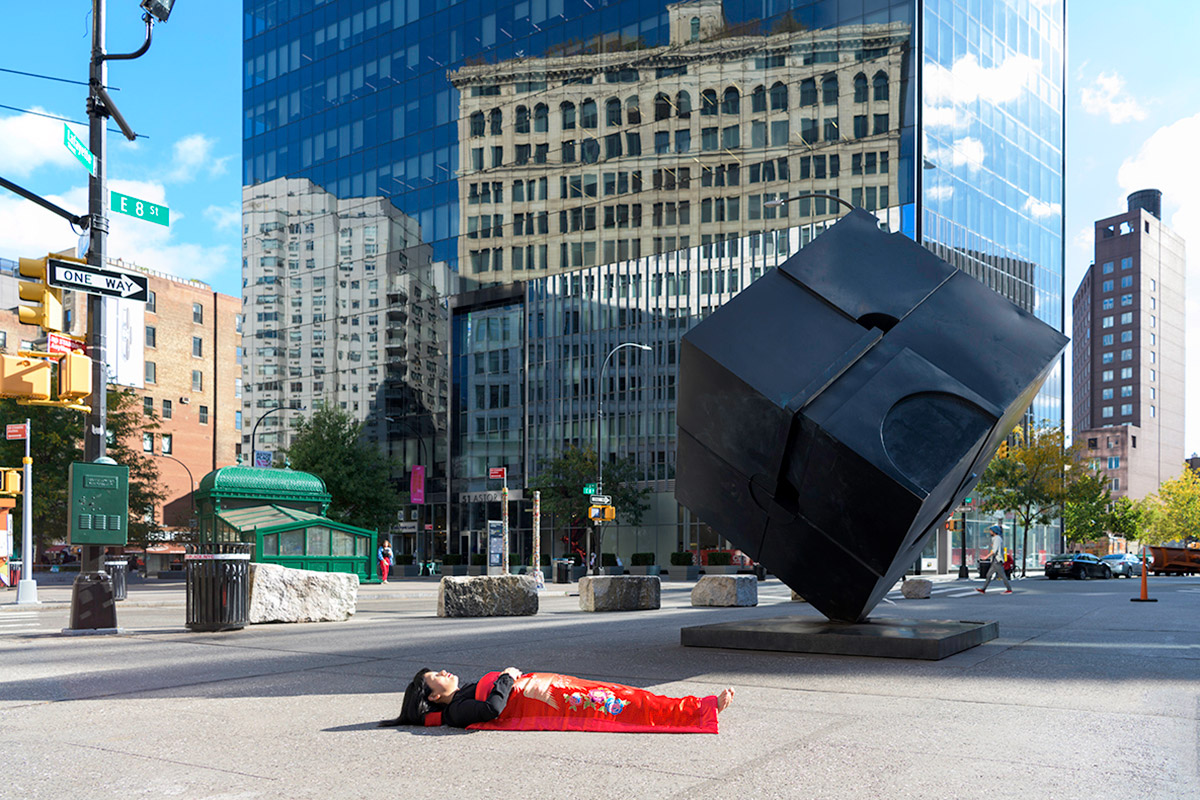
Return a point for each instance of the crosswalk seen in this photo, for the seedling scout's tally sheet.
(19, 622)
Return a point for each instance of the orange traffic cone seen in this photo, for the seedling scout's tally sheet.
(1145, 598)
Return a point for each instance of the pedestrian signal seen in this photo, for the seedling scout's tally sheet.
(602, 513)
(21, 376)
(11, 483)
(74, 376)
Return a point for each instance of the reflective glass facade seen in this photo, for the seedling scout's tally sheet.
(562, 176)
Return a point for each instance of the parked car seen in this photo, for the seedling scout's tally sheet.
(1080, 566)
(1124, 564)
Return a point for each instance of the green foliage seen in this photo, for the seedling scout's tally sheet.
(1128, 519)
(1030, 481)
(452, 560)
(720, 559)
(545, 560)
(1172, 514)
(561, 481)
(683, 559)
(357, 474)
(608, 559)
(478, 559)
(58, 442)
(642, 559)
(1086, 510)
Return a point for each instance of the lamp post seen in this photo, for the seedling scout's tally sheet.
(783, 200)
(599, 417)
(191, 480)
(254, 430)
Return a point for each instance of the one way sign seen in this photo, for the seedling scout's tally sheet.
(93, 280)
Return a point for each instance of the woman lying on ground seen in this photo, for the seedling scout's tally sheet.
(545, 701)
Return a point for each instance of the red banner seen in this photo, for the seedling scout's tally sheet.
(416, 484)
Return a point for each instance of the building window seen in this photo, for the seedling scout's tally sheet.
(1106, 322)
(1106, 394)
(1127, 299)
(237, 420)
(151, 336)
(203, 415)
(1106, 357)
(1106, 286)
(1127, 373)
(166, 409)
(150, 372)
(148, 406)
(1127, 354)
(1116, 484)
(1127, 262)
(1127, 282)
(1127, 391)
(1107, 268)
(197, 381)
(147, 442)
(197, 347)
(1107, 375)
(197, 313)
(1106, 412)
(166, 444)
(1114, 462)
(1126, 409)
(237, 387)
(151, 302)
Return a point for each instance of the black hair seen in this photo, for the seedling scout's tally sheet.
(416, 703)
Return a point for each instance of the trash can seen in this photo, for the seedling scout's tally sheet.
(562, 570)
(218, 588)
(118, 570)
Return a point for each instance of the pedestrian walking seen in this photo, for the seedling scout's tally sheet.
(386, 559)
(997, 557)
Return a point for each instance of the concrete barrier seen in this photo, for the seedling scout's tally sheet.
(280, 594)
(619, 592)
(916, 588)
(726, 590)
(487, 596)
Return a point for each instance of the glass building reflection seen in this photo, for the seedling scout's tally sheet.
(578, 175)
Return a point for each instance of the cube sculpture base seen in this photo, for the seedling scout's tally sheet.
(837, 410)
(929, 640)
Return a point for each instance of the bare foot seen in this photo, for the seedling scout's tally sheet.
(724, 699)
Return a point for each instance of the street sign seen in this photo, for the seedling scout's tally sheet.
(93, 280)
(142, 209)
(601, 500)
(496, 473)
(78, 149)
(61, 343)
(15, 431)
(589, 488)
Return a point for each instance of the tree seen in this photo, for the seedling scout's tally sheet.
(561, 481)
(1029, 481)
(357, 475)
(58, 442)
(1086, 515)
(1128, 519)
(1173, 513)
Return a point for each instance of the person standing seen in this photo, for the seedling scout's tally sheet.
(385, 559)
(997, 557)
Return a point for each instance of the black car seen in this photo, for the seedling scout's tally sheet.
(1126, 564)
(1080, 566)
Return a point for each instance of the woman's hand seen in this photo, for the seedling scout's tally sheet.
(513, 671)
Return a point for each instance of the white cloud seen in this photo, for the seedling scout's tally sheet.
(28, 142)
(944, 117)
(1039, 209)
(967, 81)
(967, 151)
(32, 231)
(224, 218)
(939, 192)
(193, 154)
(1164, 163)
(1106, 98)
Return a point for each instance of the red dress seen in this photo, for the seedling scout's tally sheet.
(545, 701)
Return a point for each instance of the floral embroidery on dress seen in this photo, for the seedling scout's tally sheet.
(600, 699)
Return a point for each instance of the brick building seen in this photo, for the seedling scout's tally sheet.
(180, 353)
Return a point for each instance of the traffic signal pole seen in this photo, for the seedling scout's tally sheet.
(27, 586)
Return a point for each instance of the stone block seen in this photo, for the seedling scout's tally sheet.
(619, 592)
(487, 596)
(281, 594)
(916, 588)
(726, 590)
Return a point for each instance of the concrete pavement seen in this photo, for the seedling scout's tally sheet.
(1084, 695)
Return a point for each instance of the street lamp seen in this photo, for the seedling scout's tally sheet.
(192, 480)
(423, 454)
(254, 430)
(599, 416)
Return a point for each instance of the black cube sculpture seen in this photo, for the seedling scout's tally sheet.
(835, 412)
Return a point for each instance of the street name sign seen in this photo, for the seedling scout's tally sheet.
(15, 431)
(78, 149)
(589, 488)
(142, 209)
(496, 473)
(601, 500)
(93, 280)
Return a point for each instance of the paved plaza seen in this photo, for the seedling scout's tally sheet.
(1084, 695)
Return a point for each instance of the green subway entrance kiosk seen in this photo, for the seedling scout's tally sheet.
(279, 512)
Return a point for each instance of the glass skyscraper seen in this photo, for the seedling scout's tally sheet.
(561, 176)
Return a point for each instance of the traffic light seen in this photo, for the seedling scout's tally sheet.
(602, 513)
(74, 377)
(11, 482)
(47, 309)
(1002, 450)
(21, 376)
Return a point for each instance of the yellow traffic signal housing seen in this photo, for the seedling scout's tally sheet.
(1002, 450)
(11, 482)
(602, 513)
(47, 310)
(74, 377)
(21, 376)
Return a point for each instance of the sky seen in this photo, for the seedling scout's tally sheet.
(1133, 117)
